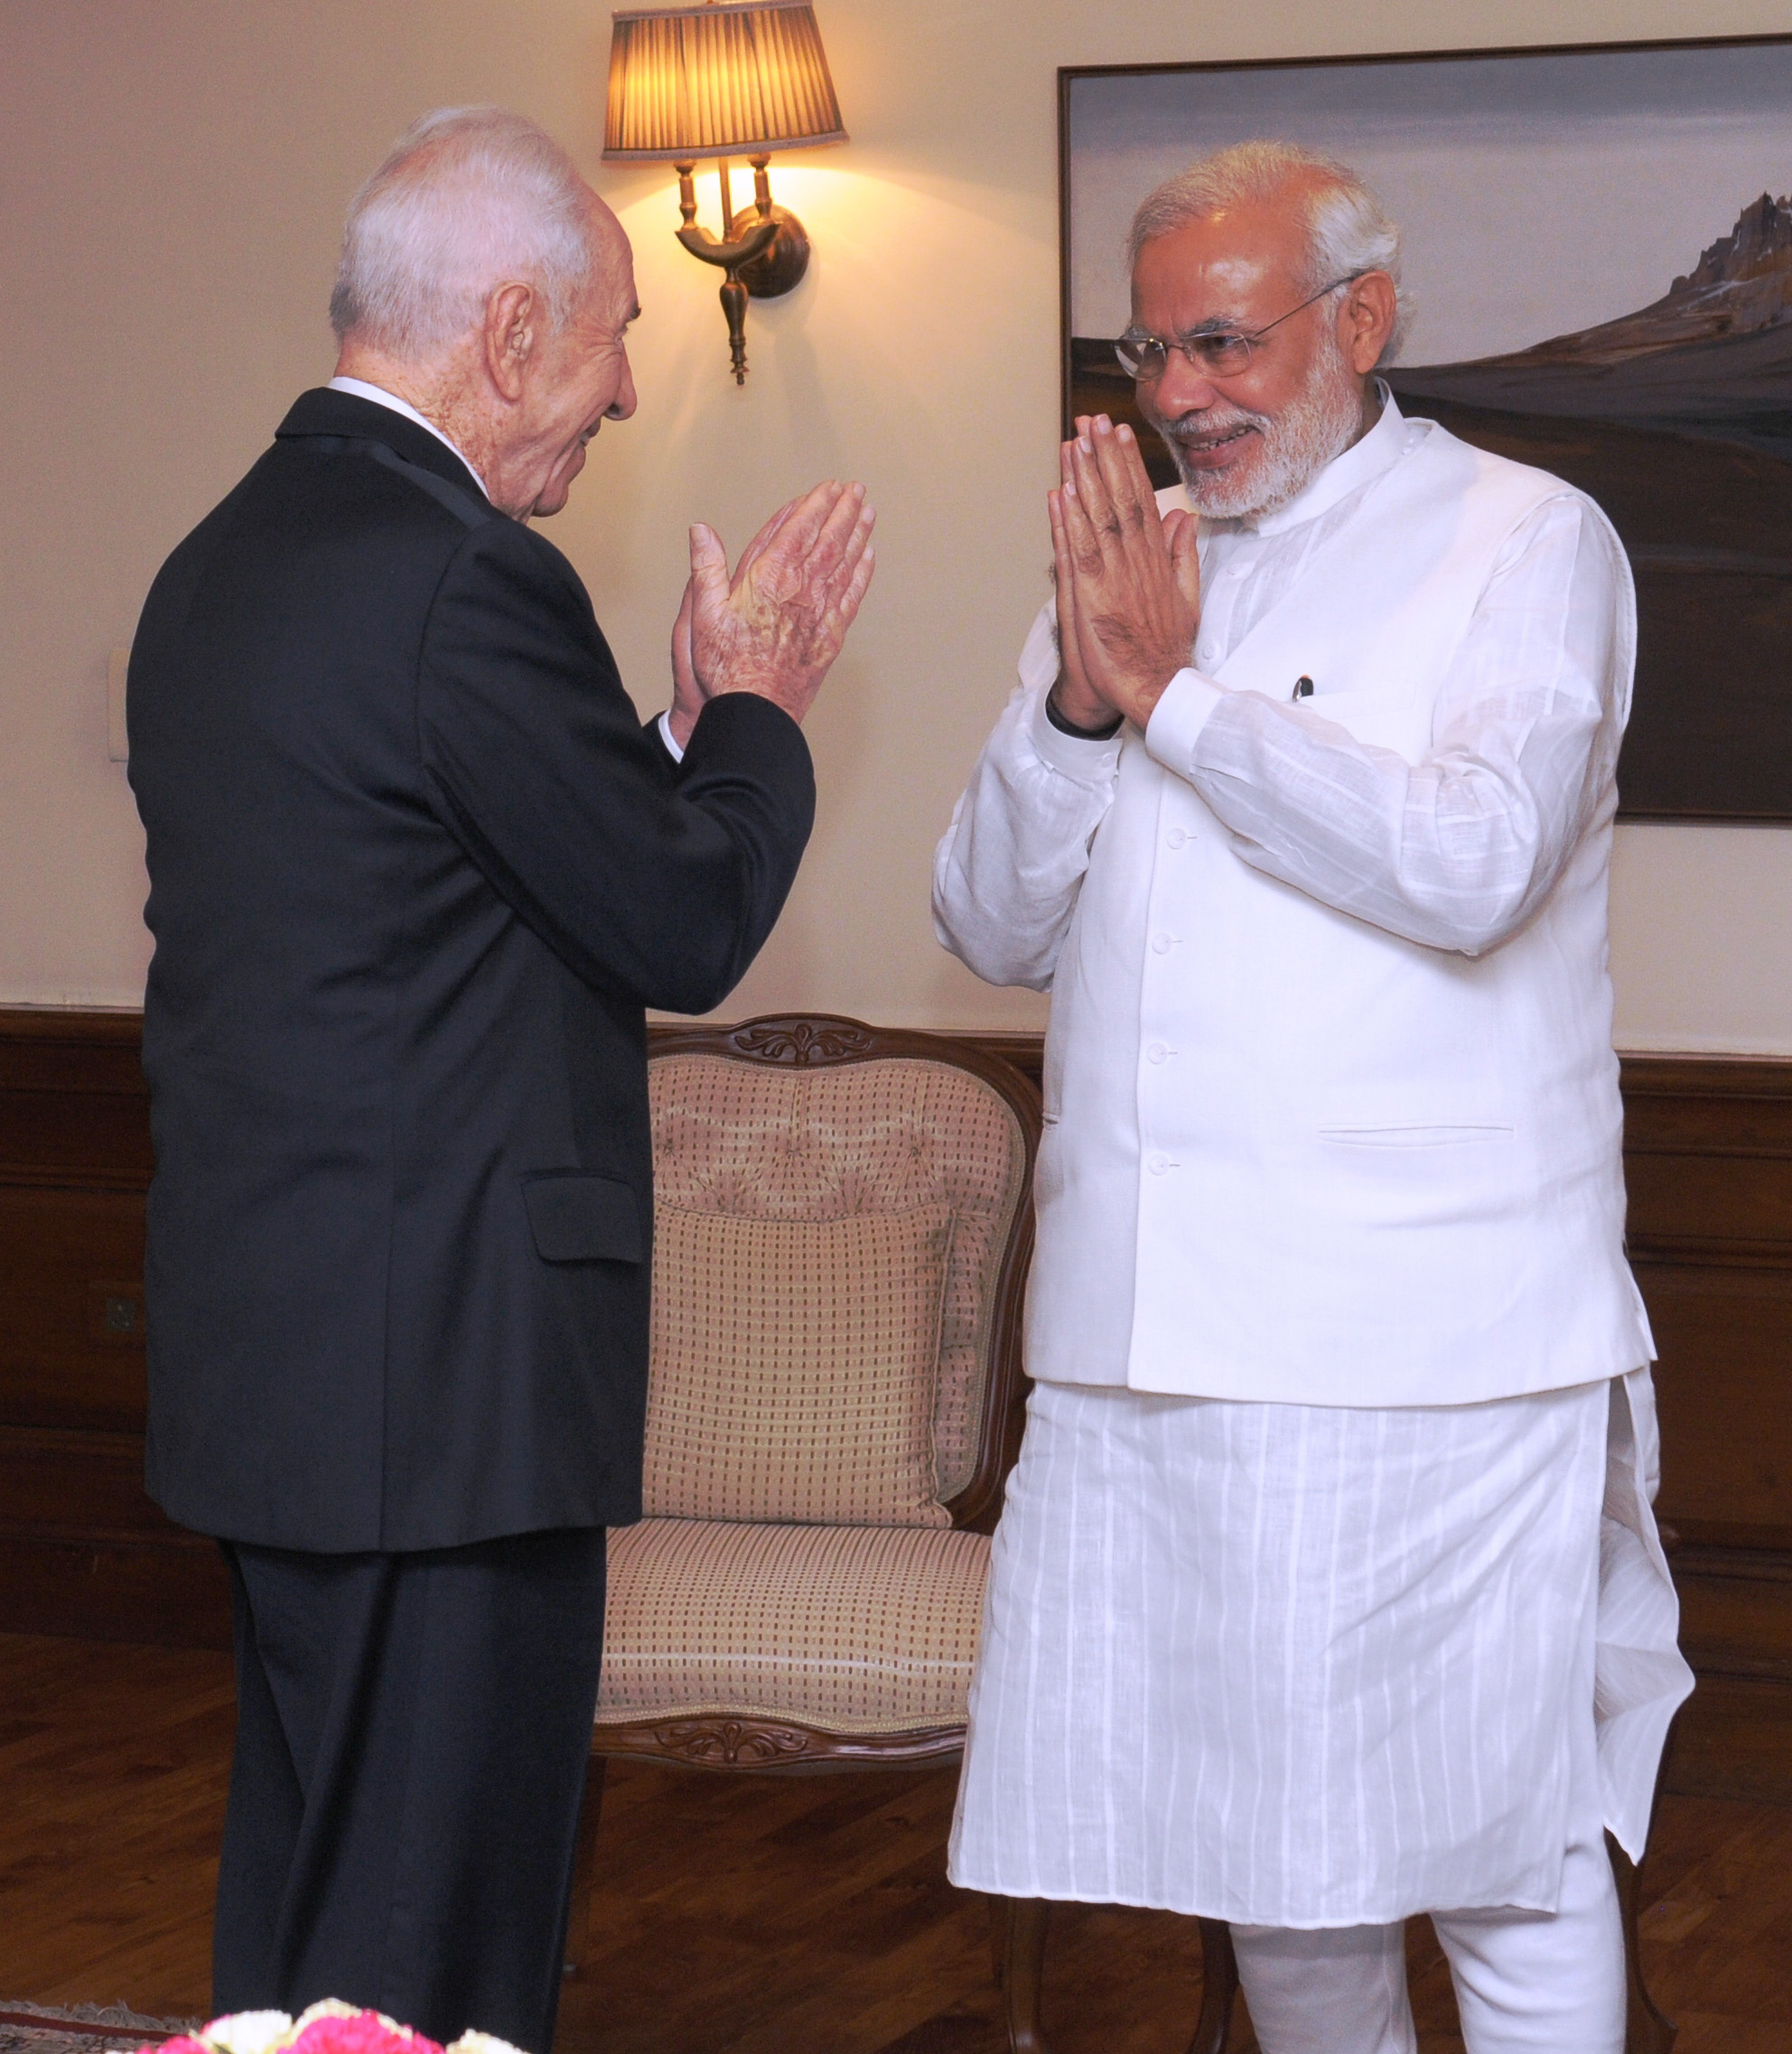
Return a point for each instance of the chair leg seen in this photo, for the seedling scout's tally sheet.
(1646, 2031)
(585, 1868)
(1019, 1945)
(1219, 1988)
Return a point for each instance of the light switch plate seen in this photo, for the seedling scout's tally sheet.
(118, 740)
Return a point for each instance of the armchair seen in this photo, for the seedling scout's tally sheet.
(844, 1220)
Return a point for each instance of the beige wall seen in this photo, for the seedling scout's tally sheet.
(173, 173)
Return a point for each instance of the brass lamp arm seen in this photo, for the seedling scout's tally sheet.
(772, 253)
(742, 249)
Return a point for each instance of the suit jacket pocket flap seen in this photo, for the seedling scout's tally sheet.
(577, 1217)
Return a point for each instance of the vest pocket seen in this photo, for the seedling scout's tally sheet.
(1462, 1136)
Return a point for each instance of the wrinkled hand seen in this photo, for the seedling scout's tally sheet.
(1128, 580)
(688, 695)
(776, 625)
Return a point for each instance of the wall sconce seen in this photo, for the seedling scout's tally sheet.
(718, 80)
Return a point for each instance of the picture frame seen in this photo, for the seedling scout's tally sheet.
(1600, 258)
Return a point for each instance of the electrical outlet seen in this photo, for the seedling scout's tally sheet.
(118, 739)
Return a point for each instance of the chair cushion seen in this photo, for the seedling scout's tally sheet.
(795, 1364)
(785, 1143)
(861, 1629)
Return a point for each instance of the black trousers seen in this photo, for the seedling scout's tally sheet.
(412, 1736)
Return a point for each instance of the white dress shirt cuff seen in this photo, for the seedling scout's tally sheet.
(667, 736)
(1178, 718)
(1087, 760)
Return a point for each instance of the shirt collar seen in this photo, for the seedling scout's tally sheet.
(1366, 459)
(381, 398)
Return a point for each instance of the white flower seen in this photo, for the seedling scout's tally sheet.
(334, 2007)
(481, 2043)
(250, 2032)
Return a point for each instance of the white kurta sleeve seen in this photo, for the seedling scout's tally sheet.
(1007, 872)
(1459, 850)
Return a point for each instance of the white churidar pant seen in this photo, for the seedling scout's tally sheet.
(1313, 1666)
(1526, 1982)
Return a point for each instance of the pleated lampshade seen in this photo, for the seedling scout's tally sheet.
(717, 81)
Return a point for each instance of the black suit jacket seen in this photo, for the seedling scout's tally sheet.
(416, 870)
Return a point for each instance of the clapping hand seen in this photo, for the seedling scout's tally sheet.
(1128, 580)
(776, 625)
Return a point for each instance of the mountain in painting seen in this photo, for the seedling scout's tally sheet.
(1741, 284)
(1713, 357)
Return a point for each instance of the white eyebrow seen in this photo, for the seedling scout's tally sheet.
(1215, 324)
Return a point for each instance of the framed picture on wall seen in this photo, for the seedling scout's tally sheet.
(1599, 254)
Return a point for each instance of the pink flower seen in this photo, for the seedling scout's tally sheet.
(365, 2033)
(330, 2027)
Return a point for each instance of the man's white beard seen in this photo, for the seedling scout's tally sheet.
(1297, 443)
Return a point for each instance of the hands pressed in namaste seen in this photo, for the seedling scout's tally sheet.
(1129, 582)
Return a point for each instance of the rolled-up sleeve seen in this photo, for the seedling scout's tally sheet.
(1459, 850)
(1008, 870)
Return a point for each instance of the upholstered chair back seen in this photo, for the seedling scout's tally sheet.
(843, 1222)
(822, 1165)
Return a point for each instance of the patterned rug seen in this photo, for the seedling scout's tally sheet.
(85, 2029)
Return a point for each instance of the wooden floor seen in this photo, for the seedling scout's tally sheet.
(735, 1915)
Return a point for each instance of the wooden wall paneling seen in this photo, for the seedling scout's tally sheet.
(169, 1590)
(73, 1107)
(72, 1348)
(82, 1548)
(1734, 1739)
(1723, 1380)
(1709, 1160)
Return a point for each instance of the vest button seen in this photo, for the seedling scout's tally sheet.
(1176, 838)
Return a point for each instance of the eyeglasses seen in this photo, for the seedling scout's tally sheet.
(1220, 353)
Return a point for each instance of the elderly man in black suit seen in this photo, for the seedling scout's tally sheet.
(416, 869)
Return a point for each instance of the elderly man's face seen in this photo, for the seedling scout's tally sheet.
(1247, 444)
(575, 380)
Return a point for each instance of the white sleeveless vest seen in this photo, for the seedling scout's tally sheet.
(1374, 1173)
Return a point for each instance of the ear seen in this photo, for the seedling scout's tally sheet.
(1366, 321)
(512, 316)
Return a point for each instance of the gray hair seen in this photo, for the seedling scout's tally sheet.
(469, 199)
(1347, 230)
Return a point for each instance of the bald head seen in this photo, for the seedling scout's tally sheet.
(485, 283)
(467, 200)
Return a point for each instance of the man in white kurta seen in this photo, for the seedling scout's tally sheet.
(1327, 1590)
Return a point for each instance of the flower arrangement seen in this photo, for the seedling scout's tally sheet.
(329, 2028)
